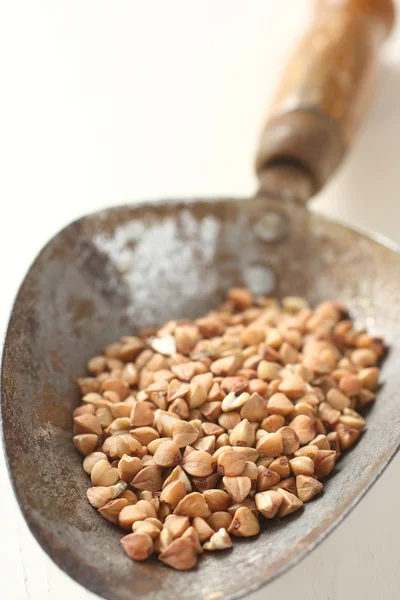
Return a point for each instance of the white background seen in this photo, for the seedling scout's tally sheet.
(108, 102)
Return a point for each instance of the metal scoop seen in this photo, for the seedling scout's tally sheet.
(135, 266)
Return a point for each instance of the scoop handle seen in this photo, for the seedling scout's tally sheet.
(323, 95)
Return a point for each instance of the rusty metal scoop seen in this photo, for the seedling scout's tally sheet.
(135, 266)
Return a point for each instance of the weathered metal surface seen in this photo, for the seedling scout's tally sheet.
(115, 271)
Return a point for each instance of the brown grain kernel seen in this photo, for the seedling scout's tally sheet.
(91, 459)
(264, 461)
(347, 436)
(187, 451)
(244, 523)
(268, 371)
(181, 554)
(304, 428)
(129, 514)
(328, 415)
(231, 463)
(141, 415)
(162, 542)
(138, 546)
(254, 409)
(352, 419)
(321, 441)
(199, 464)
(266, 479)
(206, 483)
(325, 462)
(257, 386)
(178, 474)
(231, 402)
(302, 465)
(147, 506)
(192, 535)
(220, 519)
(88, 385)
(307, 487)
(288, 355)
(85, 408)
(274, 338)
(365, 397)
(193, 505)
(148, 460)
(111, 510)
(364, 357)
(173, 493)
(129, 496)
(197, 395)
(180, 408)
(237, 487)
(251, 471)
(311, 451)
(303, 408)
(204, 531)
(242, 298)
(350, 385)
(270, 444)
(211, 410)
(273, 423)
(290, 440)
(144, 435)
(268, 503)
(226, 366)
(129, 467)
(186, 337)
(114, 411)
(177, 525)
(85, 443)
(242, 434)
(281, 466)
(249, 453)
(167, 455)
(333, 440)
(217, 500)
(236, 384)
(369, 378)
(99, 496)
(216, 394)
(247, 502)
(149, 478)
(184, 433)
(212, 429)
(146, 527)
(95, 399)
(205, 444)
(164, 512)
(279, 404)
(293, 387)
(103, 474)
(116, 446)
(119, 425)
(116, 385)
(87, 423)
(290, 503)
(229, 420)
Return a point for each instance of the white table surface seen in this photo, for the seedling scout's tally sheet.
(109, 102)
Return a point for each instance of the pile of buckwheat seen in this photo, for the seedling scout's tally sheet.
(194, 432)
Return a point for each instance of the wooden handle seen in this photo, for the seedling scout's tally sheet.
(324, 94)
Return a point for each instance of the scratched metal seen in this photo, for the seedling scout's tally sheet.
(112, 272)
